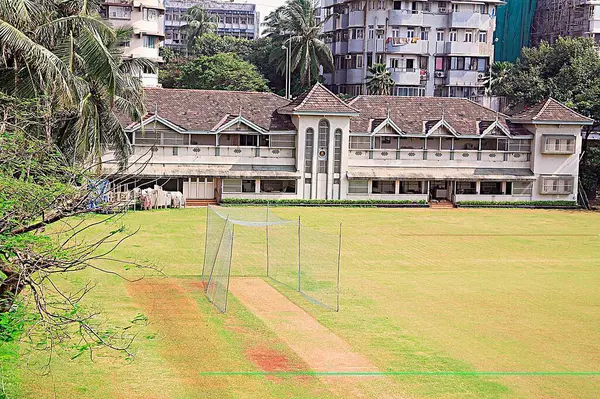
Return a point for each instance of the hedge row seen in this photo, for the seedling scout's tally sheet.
(570, 204)
(295, 201)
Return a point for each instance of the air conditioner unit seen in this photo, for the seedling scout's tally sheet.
(348, 57)
(442, 10)
(440, 74)
(481, 76)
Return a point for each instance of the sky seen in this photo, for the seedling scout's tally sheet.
(264, 6)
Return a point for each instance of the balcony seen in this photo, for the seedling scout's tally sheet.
(339, 48)
(469, 20)
(154, 28)
(594, 26)
(468, 48)
(377, 45)
(405, 17)
(198, 154)
(438, 158)
(464, 78)
(355, 46)
(404, 76)
(402, 45)
(356, 18)
(354, 76)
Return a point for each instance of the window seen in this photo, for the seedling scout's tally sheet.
(395, 63)
(248, 140)
(150, 14)
(439, 63)
(483, 8)
(466, 187)
(468, 36)
(360, 142)
(453, 35)
(149, 42)
(228, 20)
(482, 36)
(395, 31)
(308, 154)
(236, 20)
(482, 64)
(490, 187)
(410, 187)
(426, 7)
(442, 7)
(381, 5)
(278, 186)
(359, 61)
(424, 33)
(232, 185)
(323, 146)
(410, 33)
(248, 186)
(410, 65)
(119, 12)
(557, 185)
(358, 187)
(383, 187)
(175, 151)
(439, 35)
(371, 32)
(397, 5)
(358, 33)
(559, 145)
(522, 188)
(455, 7)
(126, 43)
(460, 63)
(337, 158)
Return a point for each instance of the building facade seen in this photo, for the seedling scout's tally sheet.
(441, 48)
(232, 19)
(217, 144)
(566, 18)
(146, 18)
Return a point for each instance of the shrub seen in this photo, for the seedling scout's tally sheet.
(296, 201)
(519, 203)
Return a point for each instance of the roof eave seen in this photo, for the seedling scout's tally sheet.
(550, 122)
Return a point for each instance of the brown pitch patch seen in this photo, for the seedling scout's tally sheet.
(269, 359)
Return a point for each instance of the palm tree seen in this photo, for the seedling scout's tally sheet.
(499, 71)
(294, 24)
(199, 23)
(62, 55)
(380, 80)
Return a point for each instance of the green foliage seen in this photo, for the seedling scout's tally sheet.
(220, 72)
(379, 80)
(211, 44)
(295, 201)
(199, 23)
(517, 204)
(568, 70)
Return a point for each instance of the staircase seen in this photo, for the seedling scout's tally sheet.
(192, 203)
(442, 204)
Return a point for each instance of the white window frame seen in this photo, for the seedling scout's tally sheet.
(453, 35)
(558, 185)
(468, 36)
(358, 187)
(482, 37)
(232, 186)
(150, 14)
(439, 35)
(558, 144)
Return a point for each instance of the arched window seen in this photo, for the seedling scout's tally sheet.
(308, 150)
(337, 159)
(323, 145)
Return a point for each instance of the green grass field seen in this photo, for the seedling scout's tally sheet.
(473, 291)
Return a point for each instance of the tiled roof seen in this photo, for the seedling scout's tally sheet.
(550, 110)
(203, 110)
(318, 99)
(414, 115)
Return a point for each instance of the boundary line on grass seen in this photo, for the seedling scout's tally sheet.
(407, 373)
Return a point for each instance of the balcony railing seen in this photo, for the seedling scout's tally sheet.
(457, 156)
(203, 151)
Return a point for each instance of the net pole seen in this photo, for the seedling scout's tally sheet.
(299, 258)
(216, 256)
(205, 240)
(337, 308)
(229, 271)
(267, 232)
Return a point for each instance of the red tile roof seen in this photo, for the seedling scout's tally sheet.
(550, 111)
(413, 114)
(320, 100)
(203, 110)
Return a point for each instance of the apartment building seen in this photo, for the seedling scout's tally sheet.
(146, 18)
(232, 19)
(218, 144)
(432, 48)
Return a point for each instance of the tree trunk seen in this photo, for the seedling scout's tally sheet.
(10, 287)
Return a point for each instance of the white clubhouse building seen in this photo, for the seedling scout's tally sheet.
(219, 144)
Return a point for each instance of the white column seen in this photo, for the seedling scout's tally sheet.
(397, 187)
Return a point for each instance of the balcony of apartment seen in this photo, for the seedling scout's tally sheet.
(437, 152)
(377, 45)
(407, 76)
(354, 76)
(339, 48)
(464, 78)
(142, 52)
(355, 46)
(356, 18)
(403, 45)
(594, 25)
(405, 17)
(154, 28)
(469, 20)
(468, 48)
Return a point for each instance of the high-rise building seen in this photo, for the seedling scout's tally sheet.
(431, 47)
(146, 18)
(232, 19)
(566, 18)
